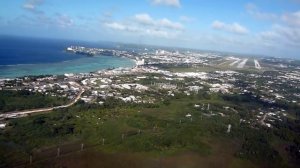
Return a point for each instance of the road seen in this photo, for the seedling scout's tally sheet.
(242, 64)
(257, 65)
(17, 114)
(235, 62)
(262, 121)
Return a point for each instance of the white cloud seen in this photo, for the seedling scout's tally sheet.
(292, 19)
(115, 25)
(233, 28)
(139, 30)
(186, 19)
(253, 10)
(173, 3)
(169, 24)
(158, 33)
(285, 30)
(31, 5)
(282, 36)
(269, 35)
(146, 19)
(144, 24)
(41, 19)
(122, 27)
(63, 20)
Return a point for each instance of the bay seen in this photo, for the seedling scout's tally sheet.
(29, 56)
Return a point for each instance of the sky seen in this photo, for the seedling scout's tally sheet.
(260, 27)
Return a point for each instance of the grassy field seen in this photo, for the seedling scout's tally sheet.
(194, 69)
(135, 136)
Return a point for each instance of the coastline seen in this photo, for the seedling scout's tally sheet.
(81, 65)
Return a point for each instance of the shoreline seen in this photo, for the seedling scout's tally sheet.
(77, 66)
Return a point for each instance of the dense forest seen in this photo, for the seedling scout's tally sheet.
(23, 100)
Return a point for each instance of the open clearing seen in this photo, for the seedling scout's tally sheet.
(222, 156)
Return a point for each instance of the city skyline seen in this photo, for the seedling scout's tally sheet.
(254, 27)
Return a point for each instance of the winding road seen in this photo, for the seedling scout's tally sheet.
(17, 114)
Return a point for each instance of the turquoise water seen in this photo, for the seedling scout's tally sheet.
(84, 64)
(24, 56)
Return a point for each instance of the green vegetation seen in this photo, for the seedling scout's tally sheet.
(159, 130)
(189, 68)
(23, 100)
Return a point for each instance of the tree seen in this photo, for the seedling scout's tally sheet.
(2, 104)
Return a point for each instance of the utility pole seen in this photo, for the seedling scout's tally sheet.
(58, 152)
(82, 147)
(229, 128)
(30, 159)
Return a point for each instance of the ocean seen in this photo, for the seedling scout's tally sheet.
(22, 56)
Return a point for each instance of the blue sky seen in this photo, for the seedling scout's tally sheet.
(266, 27)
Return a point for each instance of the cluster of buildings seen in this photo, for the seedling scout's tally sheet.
(49, 85)
(146, 83)
(98, 51)
(176, 57)
(150, 57)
